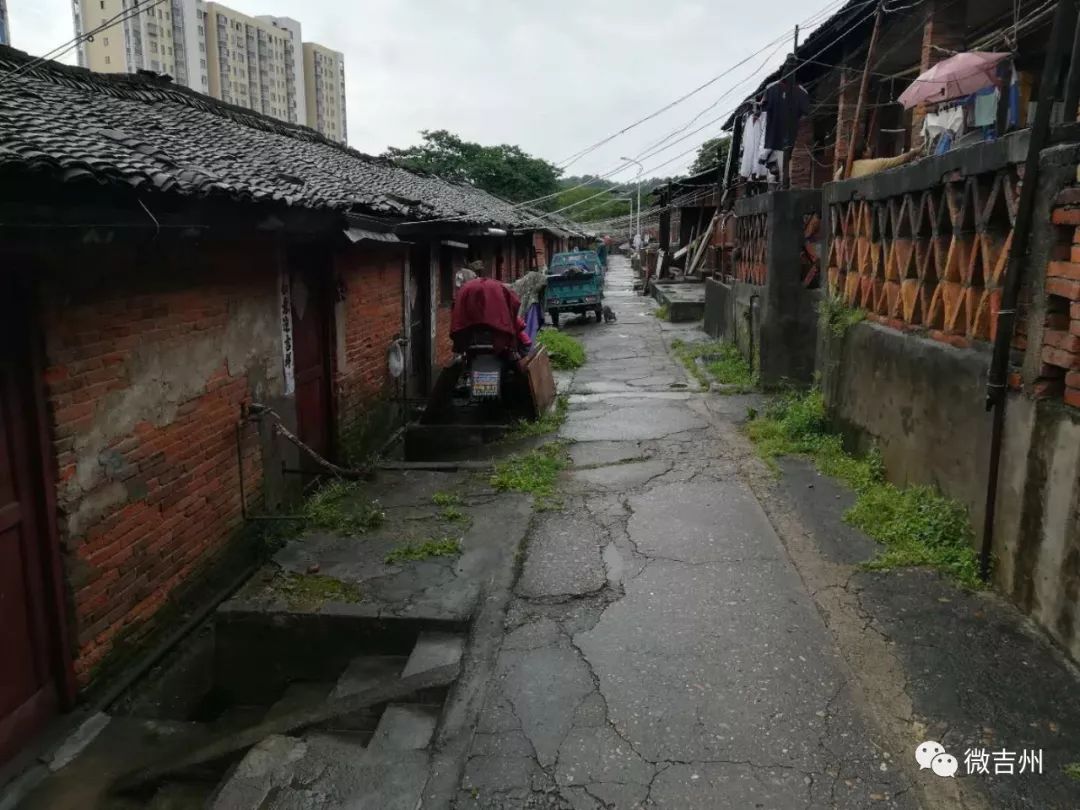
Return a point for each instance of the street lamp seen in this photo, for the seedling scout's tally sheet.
(640, 171)
(630, 199)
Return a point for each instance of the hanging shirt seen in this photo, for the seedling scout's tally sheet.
(753, 139)
(785, 106)
(984, 111)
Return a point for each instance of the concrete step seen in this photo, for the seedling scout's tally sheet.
(405, 727)
(300, 694)
(434, 650)
(367, 672)
(266, 769)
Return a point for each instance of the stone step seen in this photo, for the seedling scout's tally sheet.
(300, 694)
(405, 727)
(266, 769)
(434, 650)
(367, 672)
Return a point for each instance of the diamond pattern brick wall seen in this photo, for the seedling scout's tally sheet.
(932, 259)
(751, 233)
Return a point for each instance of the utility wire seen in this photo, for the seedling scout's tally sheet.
(128, 13)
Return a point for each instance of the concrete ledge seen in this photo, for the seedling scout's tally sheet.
(685, 302)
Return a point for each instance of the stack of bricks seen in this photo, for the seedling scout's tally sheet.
(1060, 357)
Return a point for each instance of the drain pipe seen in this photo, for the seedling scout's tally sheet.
(1064, 23)
(750, 328)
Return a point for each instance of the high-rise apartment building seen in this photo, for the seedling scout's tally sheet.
(5, 26)
(324, 79)
(259, 63)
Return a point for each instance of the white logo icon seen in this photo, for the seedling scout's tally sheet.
(945, 765)
(926, 752)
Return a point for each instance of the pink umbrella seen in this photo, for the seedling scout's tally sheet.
(955, 77)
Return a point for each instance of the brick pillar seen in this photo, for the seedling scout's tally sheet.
(802, 156)
(845, 113)
(943, 31)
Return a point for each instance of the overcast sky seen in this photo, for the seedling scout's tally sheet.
(553, 77)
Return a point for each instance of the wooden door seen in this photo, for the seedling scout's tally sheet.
(29, 689)
(309, 277)
(419, 320)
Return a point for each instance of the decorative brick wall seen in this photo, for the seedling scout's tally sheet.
(931, 259)
(150, 358)
(751, 235)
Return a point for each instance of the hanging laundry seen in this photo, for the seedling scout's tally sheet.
(753, 140)
(942, 127)
(786, 103)
(984, 109)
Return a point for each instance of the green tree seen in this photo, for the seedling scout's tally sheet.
(603, 206)
(504, 170)
(712, 153)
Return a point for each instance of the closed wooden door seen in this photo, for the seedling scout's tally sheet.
(28, 689)
(311, 357)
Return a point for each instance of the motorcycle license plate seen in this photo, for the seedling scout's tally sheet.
(485, 384)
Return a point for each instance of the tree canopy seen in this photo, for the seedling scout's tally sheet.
(504, 170)
(711, 153)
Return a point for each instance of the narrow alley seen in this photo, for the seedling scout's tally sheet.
(663, 650)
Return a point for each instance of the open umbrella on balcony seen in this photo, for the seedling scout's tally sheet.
(955, 77)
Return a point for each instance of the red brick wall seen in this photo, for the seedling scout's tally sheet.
(540, 249)
(801, 156)
(443, 348)
(1060, 349)
(149, 361)
(370, 283)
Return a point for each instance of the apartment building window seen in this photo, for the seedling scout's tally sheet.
(106, 40)
(108, 60)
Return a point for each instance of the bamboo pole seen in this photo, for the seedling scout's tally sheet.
(862, 89)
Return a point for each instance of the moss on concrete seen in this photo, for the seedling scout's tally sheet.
(312, 591)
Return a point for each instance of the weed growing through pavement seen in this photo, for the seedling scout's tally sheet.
(333, 507)
(566, 351)
(720, 361)
(312, 591)
(446, 499)
(444, 547)
(662, 312)
(1072, 770)
(917, 525)
(550, 422)
(536, 472)
(453, 514)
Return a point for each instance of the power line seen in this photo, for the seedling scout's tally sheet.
(63, 48)
(578, 155)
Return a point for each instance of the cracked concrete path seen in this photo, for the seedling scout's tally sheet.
(661, 650)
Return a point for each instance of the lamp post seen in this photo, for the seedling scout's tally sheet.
(640, 171)
(630, 199)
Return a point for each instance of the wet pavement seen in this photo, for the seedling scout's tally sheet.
(661, 649)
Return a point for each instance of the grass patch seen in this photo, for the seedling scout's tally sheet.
(917, 525)
(663, 312)
(453, 514)
(565, 350)
(720, 362)
(536, 472)
(837, 316)
(312, 591)
(334, 508)
(1072, 770)
(411, 552)
(548, 423)
(446, 499)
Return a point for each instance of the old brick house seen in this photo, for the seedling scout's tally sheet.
(166, 261)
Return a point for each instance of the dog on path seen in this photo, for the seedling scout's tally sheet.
(609, 314)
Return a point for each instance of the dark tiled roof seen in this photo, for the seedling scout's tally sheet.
(148, 134)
